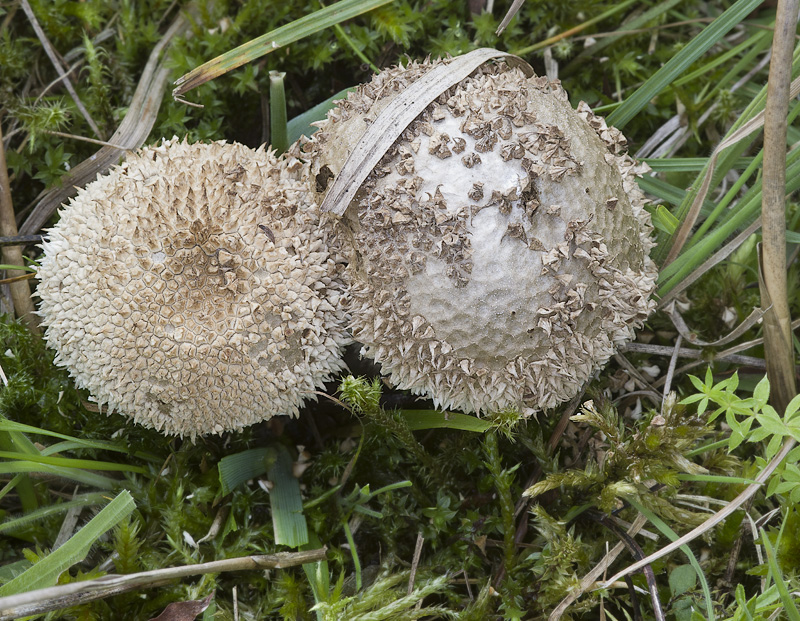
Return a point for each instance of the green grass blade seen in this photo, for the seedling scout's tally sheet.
(745, 63)
(301, 125)
(10, 425)
(68, 462)
(759, 37)
(746, 212)
(662, 189)
(317, 573)
(277, 112)
(724, 163)
(82, 476)
(354, 553)
(240, 467)
(687, 164)
(679, 63)
(288, 520)
(789, 607)
(83, 500)
(672, 536)
(418, 420)
(22, 268)
(716, 478)
(15, 440)
(45, 573)
(285, 35)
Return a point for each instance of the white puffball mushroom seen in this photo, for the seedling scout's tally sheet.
(193, 289)
(499, 252)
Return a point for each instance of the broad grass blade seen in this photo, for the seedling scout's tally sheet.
(240, 467)
(288, 520)
(46, 572)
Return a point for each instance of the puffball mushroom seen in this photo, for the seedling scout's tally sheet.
(499, 250)
(193, 289)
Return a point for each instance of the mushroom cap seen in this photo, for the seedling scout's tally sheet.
(193, 289)
(499, 252)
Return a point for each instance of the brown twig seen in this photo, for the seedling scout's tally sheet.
(697, 354)
(20, 240)
(67, 595)
(12, 255)
(515, 7)
(637, 553)
(589, 579)
(772, 258)
(53, 56)
(415, 562)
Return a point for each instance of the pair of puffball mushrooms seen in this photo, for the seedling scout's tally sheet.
(494, 258)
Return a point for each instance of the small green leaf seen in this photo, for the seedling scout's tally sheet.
(664, 220)
(761, 392)
(682, 579)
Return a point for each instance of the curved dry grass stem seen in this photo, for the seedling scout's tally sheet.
(715, 519)
(397, 116)
(131, 133)
(772, 257)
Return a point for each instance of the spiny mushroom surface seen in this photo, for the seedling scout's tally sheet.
(192, 288)
(499, 251)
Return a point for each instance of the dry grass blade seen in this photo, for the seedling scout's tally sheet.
(515, 7)
(772, 257)
(131, 133)
(51, 54)
(745, 130)
(697, 354)
(20, 240)
(66, 595)
(719, 256)
(395, 117)
(12, 255)
(691, 336)
(715, 519)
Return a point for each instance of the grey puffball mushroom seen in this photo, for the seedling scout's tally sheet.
(499, 251)
(193, 288)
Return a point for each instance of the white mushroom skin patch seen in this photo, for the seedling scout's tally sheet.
(193, 289)
(499, 252)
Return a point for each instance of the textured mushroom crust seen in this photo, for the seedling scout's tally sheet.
(500, 250)
(192, 288)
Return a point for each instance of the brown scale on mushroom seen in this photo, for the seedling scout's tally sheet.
(517, 283)
(195, 289)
